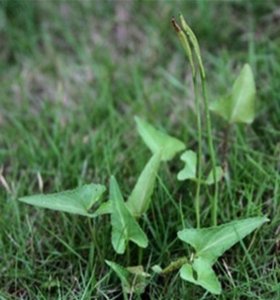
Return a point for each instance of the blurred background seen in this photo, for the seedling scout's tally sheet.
(70, 67)
(72, 76)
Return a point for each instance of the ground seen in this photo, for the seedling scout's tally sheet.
(72, 76)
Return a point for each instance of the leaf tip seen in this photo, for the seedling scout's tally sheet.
(157, 269)
(175, 25)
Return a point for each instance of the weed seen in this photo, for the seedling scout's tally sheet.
(209, 243)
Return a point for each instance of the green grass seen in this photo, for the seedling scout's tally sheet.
(72, 76)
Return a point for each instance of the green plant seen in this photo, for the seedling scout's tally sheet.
(126, 216)
(238, 106)
(133, 279)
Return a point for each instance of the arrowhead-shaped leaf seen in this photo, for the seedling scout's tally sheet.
(201, 273)
(134, 279)
(77, 201)
(124, 226)
(239, 106)
(140, 198)
(219, 175)
(122, 273)
(189, 171)
(210, 243)
(158, 141)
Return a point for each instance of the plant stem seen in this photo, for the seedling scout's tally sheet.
(140, 256)
(214, 201)
(175, 265)
(225, 148)
(128, 254)
(199, 155)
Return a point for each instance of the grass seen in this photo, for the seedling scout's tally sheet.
(73, 75)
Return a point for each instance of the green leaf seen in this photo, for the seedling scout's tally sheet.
(134, 279)
(210, 243)
(158, 141)
(157, 269)
(104, 209)
(140, 198)
(124, 226)
(219, 175)
(239, 106)
(201, 273)
(138, 271)
(189, 171)
(122, 273)
(77, 201)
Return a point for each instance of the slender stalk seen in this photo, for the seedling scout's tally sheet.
(128, 254)
(175, 265)
(199, 154)
(225, 147)
(186, 45)
(214, 200)
(140, 256)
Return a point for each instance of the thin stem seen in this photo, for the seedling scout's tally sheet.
(92, 252)
(128, 254)
(225, 147)
(140, 256)
(214, 201)
(199, 155)
(175, 265)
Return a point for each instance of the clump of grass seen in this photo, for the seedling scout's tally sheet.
(21, 27)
